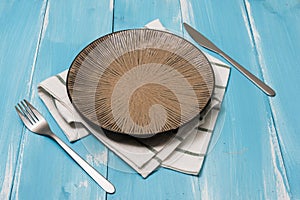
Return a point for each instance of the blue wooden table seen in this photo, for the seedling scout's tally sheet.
(256, 153)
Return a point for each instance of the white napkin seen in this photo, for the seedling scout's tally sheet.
(183, 151)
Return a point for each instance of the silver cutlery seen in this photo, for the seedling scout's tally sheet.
(36, 123)
(206, 43)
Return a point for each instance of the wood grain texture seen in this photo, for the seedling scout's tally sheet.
(18, 47)
(276, 30)
(247, 156)
(247, 152)
(44, 170)
(255, 150)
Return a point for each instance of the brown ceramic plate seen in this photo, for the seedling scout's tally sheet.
(140, 82)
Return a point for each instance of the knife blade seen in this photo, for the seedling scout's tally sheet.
(206, 43)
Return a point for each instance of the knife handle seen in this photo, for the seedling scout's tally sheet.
(261, 85)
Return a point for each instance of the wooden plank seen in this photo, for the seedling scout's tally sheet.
(162, 184)
(131, 14)
(246, 162)
(44, 170)
(275, 25)
(247, 138)
(255, 141)
(18, 46)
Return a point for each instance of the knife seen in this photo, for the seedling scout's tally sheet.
(206, 43)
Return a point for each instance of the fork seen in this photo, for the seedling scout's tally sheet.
(36, 123)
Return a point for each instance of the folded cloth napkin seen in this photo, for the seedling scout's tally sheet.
(183, 151)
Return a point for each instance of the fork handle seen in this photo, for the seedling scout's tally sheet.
(102, 181)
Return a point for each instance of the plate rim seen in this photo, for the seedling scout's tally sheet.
(93, 124)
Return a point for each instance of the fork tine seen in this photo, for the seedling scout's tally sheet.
(24, 113)
(28, 106)
(25, 120)
(27, 112)
(35, 112)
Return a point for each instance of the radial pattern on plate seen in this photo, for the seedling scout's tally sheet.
(140, 81)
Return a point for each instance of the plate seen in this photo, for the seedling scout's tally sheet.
(140, 82)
